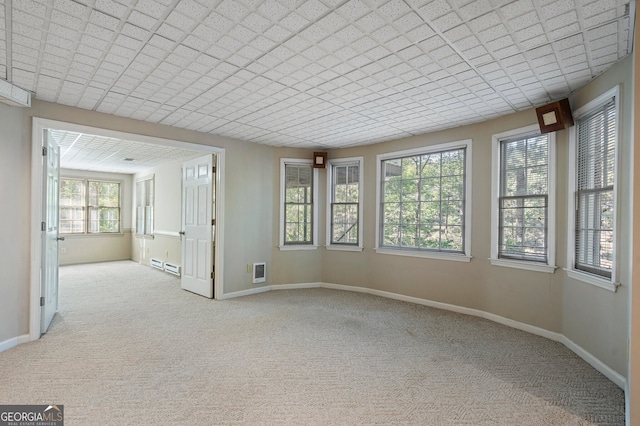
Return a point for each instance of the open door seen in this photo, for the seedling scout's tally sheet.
(198, 226)
(50, 237)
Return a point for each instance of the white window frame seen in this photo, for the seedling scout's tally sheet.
(147, 233)
(87, 207)
(606, 283)
(314, 242)
(465, 256)
(331, 165)
(550, 266)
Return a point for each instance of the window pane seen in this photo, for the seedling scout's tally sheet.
(72, 212)
(106, 194)
(594, 195)
(523, 198)
(298, 203)
(423, 201)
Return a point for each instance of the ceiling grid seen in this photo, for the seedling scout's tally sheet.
(317, 73)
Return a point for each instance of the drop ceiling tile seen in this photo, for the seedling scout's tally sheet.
(448, 21)
(394, 9)
(485, 22)
(312, 9)
(354, 10)
(192, 9)
(272, 10)
(24, 21)
(278, 34)
(518, 8)
(420, 33)
(563, 24)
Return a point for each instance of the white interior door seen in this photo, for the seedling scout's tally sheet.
(49, 268)
(198, 225)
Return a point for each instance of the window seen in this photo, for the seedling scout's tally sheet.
(89, 206)
(72, 206)
(344, 206)
(298, 210)
(423, 202)
(594, 182)
(523, 194)
(144, 206)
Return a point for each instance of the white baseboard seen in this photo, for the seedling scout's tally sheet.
(249, 292)
(296, 286)
(14, 341)
(607, 371)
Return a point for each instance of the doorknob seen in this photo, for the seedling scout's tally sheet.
(181, 232)
(60, 238)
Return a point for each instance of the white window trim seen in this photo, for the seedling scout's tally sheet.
(598, 281)
(550, 266)
(314, 243)
(86, 181)
(339, 162)
(456, 257)
(151, 177)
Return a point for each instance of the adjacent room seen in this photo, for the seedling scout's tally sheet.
(448, 185)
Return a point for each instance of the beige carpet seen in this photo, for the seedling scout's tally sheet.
(128, 347)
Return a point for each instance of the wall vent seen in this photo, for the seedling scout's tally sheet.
(259, 272)
(172, 269)
(157, 263)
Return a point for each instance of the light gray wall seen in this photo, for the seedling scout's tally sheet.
(100, 248)
(15, 196)
(594, 318)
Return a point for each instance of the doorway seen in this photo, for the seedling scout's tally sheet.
(38, 191)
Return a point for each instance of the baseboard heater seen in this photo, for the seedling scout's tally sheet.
(172, 269)
(157, 263)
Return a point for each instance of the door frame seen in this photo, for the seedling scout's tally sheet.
(37, 203)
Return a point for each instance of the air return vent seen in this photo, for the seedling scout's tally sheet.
(259, 272)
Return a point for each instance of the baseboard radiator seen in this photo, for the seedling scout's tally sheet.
(157, 263)
(172, 269)
(165, 266)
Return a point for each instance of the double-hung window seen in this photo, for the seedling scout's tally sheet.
(593, 159)
(424, 202)
(144, 206)
(523, 200)
(89, 206)
(344, 206)
(298, 209)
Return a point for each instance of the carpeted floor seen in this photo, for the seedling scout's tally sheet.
(129, 347)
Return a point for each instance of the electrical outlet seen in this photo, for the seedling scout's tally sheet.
(249, 268)
(166, 254)
(63, 250)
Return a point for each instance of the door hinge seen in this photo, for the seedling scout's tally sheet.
(41, 301)
(213, 221)
(43, 226)
(213, 169)
(211, 274)
(44, 151)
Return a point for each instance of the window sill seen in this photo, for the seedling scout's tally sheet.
(529, 266)
(344, 248)
(593, 280)
(100, 235)
(426, 255)
(144, 236)
(298, 247)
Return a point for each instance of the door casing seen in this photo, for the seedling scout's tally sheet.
(37, 203)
